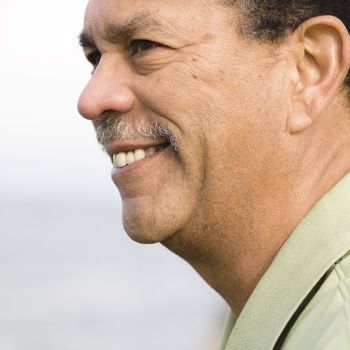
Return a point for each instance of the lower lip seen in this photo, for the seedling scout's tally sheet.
(140, 163)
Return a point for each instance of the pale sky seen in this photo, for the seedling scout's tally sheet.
(45, 146)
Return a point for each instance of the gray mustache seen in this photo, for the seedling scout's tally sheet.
(114, 128)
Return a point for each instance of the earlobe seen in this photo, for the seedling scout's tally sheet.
(322, 66)
(298, 122)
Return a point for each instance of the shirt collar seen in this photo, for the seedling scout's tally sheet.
(320, 239)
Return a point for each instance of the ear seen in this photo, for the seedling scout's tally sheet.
(321, 67)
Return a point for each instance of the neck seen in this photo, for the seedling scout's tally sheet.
(232, 258)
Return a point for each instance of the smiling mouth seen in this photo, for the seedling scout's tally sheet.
(123, 159)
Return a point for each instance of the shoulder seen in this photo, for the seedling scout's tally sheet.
(325, 322)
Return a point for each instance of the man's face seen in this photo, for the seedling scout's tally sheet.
(182, 65)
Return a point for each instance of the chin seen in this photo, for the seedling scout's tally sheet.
(149, 225)
(144, 237)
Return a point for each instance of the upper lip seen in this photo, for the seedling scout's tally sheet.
(132, 145)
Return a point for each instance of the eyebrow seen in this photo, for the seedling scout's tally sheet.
(86, 41)
(114, 32)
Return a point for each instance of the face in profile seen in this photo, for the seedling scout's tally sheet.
(185, 107)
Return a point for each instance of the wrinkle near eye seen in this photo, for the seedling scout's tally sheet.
(152, 60)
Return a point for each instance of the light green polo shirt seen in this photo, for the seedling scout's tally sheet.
(315, 254)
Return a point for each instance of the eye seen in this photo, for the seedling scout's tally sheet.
(94, 58)
(138, 46)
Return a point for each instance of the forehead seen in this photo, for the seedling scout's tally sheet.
(105, 8)
(104, 15)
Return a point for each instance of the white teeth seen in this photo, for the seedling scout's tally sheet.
(130, 157)
(140, 154)
(150, 151)
(122, 159)
(119, 160)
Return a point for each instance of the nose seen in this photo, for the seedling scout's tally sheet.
(107, 90)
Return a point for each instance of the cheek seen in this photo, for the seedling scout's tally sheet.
(169, 92)
(224, 119)
(190, 87)
(254, 100)
(181, 101)
(249, 123)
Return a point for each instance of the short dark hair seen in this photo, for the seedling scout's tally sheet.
(271, 20)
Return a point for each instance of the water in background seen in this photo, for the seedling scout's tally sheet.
(72, 280)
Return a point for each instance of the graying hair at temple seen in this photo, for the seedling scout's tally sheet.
(272, 20)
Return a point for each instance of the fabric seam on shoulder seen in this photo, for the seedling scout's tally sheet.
(345, 295)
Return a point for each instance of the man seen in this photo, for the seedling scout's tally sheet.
(228, 126)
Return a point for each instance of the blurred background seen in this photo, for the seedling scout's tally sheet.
(70, 278)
